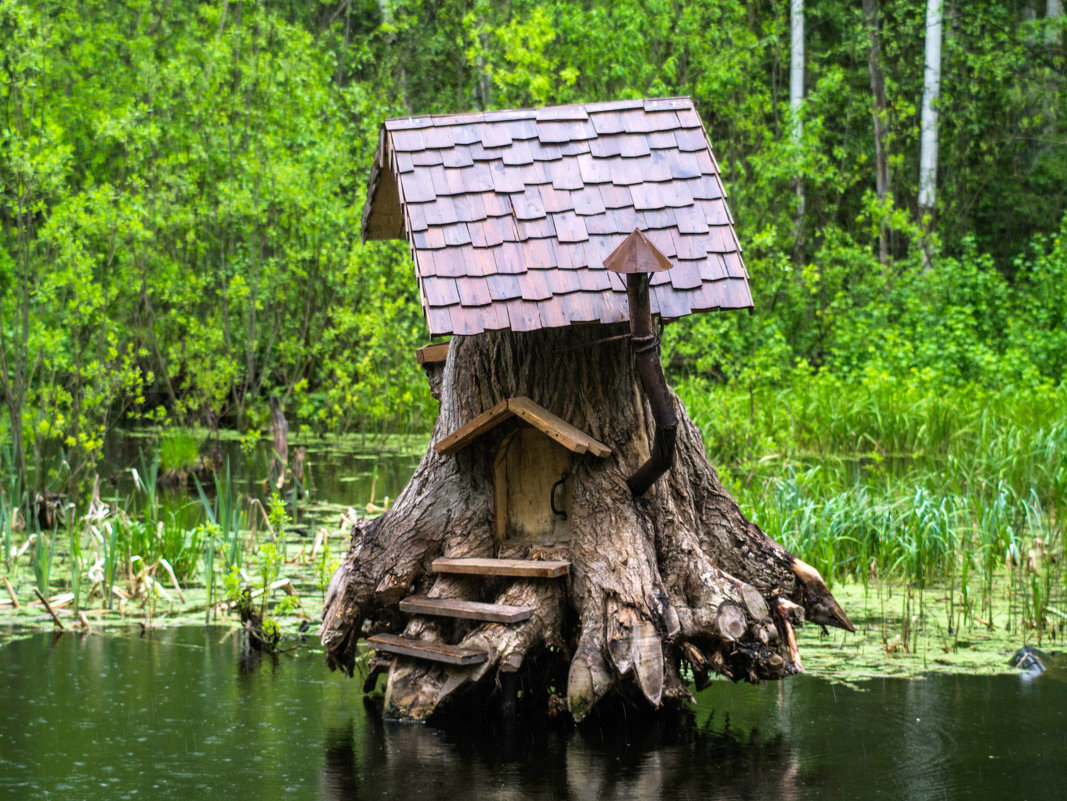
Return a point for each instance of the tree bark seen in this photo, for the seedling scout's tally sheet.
(880, 116)
(928, 124)
(1054, 12)
(796, 104)
(675, 577)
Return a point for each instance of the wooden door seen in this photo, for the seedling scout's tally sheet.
(529, 477)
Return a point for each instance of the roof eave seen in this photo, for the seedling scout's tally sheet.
(383, 216)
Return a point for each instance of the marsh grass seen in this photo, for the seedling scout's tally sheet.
(876, 479)
(882, 483)
(179, 451)
(6, 526)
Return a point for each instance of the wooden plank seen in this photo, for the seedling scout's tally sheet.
(556, 427)
(500, 489)
(433, 353)
(525, 568)
(424, 649)
(469, 610)
(542, 419)
(468, 432)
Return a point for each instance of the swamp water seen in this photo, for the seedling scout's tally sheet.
(177, 714)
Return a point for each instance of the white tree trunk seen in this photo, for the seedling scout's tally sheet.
(1054, 11)
(796, 101)
(879, 116)
(931, 91)
(796, 64)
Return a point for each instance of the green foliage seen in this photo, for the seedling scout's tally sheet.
(181, 189)
(178, 451)
(893, 475)
(277, 517)
(325, 566)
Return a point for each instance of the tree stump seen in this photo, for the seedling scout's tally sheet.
(676, 577)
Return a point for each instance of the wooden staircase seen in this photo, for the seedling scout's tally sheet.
(524, 568)
(471, 610)
(468, 610)
(425, 649)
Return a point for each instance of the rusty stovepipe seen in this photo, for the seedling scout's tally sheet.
(637, 258)
(645, 345)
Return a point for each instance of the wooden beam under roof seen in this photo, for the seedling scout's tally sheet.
(539, 417)
(433, 353)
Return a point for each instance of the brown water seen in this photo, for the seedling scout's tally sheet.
(177, 714)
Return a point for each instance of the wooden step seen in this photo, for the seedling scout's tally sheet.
(471, 610)
(424, 649)
(526, 568)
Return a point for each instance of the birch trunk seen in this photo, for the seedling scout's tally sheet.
(879, 117)
(796, 104)
(1054, 12)
(928, 125)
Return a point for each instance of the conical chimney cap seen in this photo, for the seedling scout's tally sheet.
(637, 254)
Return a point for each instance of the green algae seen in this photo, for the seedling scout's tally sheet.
(900, 631)
(907, 632)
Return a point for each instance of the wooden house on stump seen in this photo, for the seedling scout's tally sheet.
(565, 533)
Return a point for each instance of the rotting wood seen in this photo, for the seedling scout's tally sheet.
(280, 432)
(57, 601)
(469, 610)
(44, 601)
(11, 593)
(649, 576)
(525, 568)
(424, 649)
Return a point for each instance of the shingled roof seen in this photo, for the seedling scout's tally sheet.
(510, 214)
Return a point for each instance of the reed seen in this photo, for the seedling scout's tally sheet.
(11, 497)
(223, 532)
(42, 552)
(6, 543)
(902, 479)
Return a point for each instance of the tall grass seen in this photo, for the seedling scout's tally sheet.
(880, 477)
(224, 531)
(140, 540)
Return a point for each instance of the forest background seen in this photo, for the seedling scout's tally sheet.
(181, 187)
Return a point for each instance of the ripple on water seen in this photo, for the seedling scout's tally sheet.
(295, 730)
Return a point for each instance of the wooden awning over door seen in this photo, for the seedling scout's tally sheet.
(525, 409)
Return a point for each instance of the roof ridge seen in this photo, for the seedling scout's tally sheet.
(543, 113)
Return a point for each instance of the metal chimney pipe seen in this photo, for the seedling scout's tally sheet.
(645, 345)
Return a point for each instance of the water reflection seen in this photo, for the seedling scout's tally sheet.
(182, 712)
(665, 757)
(340, 472)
